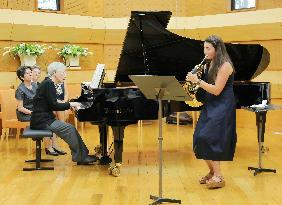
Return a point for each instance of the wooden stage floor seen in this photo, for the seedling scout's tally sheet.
(71, 184)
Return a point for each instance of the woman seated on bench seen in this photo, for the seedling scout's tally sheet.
(42, 117)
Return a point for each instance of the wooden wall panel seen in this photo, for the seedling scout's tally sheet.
(96, 8)
(8, 79)
(123, 8)
(76, 7)
(177, 7)
(275, 49)
(269, 4)
(7, 62)
(6, 31)
(56, 34)
(206, 7)
(116, 8)
(25, 5)
(114, 36)
(239, 33)
(112, 54)
(211, 7)
(78, 76)
(3, 4)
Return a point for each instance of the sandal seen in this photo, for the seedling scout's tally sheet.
(215, 182)
(204, 179)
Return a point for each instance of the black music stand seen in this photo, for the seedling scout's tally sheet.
(160, 88)
(260, 122)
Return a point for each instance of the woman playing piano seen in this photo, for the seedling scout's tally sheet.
(215, 136)
(42, 117)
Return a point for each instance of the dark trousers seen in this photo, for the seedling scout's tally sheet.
(71, 136)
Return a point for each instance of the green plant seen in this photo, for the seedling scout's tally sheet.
(73, 50)
(26, 49)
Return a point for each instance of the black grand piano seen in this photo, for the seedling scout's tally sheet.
(149, 48)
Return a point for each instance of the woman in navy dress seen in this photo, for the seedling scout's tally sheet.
(215, 134)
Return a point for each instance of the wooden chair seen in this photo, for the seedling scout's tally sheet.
(9, 118)
(3, 87)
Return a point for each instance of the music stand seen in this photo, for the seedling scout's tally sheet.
(260, 121)
(160, 88)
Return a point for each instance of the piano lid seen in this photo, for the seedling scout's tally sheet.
(167, 53)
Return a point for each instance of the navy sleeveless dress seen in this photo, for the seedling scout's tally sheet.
(215, 134)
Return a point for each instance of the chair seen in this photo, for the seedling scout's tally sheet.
(37, 136)
(3, 87)
(8, 110)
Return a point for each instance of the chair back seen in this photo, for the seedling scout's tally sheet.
(8, 105)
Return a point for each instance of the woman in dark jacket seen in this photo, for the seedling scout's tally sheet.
(45, 102)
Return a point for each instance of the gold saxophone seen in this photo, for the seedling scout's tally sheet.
(192, 88)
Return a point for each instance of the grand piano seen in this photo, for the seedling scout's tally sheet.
(149, 48)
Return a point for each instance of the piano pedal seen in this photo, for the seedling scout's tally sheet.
(98, 150)
(115, 170)
(264, 149)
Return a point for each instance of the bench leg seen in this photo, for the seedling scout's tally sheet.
(38, 159)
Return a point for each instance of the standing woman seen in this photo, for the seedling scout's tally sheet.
(215, 134)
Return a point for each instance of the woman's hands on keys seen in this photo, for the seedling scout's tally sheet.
(75, 105)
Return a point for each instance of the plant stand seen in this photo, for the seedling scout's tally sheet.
(72, 61)
(27, 60)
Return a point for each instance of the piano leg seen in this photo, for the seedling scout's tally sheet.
(261, 118)
(260, 122)
(103, 130)
(118, 132)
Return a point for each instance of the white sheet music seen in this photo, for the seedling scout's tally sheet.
(97, 76)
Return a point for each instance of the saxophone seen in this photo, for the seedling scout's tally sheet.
(192, 88)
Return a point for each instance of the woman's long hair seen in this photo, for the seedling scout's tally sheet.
(221, 56)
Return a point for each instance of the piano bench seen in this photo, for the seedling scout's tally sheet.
(37, 136)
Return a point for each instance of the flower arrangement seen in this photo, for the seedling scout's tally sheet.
(26, 49)
(74, 51)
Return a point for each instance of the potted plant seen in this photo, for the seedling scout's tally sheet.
(27, 52)
(71, 54)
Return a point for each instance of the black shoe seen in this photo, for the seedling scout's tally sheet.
(88, 160)
(60, 152)
(48, 152)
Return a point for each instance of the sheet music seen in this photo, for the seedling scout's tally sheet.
(98, 76)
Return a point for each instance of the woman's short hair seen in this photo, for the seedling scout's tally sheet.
(21, 71)
(55, 67)
(35, 67)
